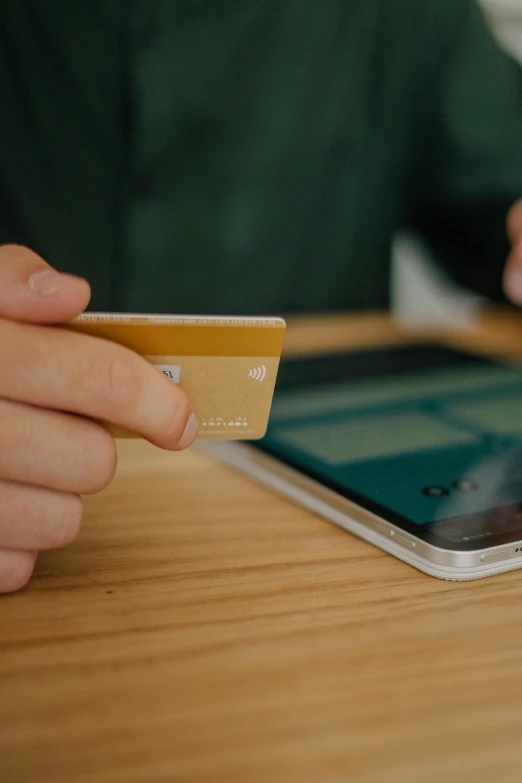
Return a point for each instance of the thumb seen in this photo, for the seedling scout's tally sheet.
(32, 291)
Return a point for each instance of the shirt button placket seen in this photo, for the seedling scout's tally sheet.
(143, 29)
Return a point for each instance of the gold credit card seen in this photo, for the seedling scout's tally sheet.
(227, 366)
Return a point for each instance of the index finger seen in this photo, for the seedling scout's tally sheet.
(62, 370)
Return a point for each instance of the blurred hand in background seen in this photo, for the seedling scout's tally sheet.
(513, 273)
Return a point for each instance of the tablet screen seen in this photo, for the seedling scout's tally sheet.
(432, 440)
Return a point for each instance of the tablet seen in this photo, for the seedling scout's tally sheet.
(416, 449)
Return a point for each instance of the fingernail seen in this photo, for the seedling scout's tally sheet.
(514, 286)
(46, 282)
(190, 434)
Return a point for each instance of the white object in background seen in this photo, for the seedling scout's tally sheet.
(505, 17)
(422, 294)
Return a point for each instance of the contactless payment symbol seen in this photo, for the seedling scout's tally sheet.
(258, 373)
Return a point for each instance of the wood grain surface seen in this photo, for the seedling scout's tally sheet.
(203, 630)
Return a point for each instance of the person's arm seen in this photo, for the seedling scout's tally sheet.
(467, 173)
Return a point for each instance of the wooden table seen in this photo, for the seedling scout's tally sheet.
(202, 630)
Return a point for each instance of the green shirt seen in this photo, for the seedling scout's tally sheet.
(255, 156)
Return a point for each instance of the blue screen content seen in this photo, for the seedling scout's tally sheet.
(428, 446)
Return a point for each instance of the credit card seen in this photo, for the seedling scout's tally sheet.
(227, 366)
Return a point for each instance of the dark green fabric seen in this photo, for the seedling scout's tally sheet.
(257, 155)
